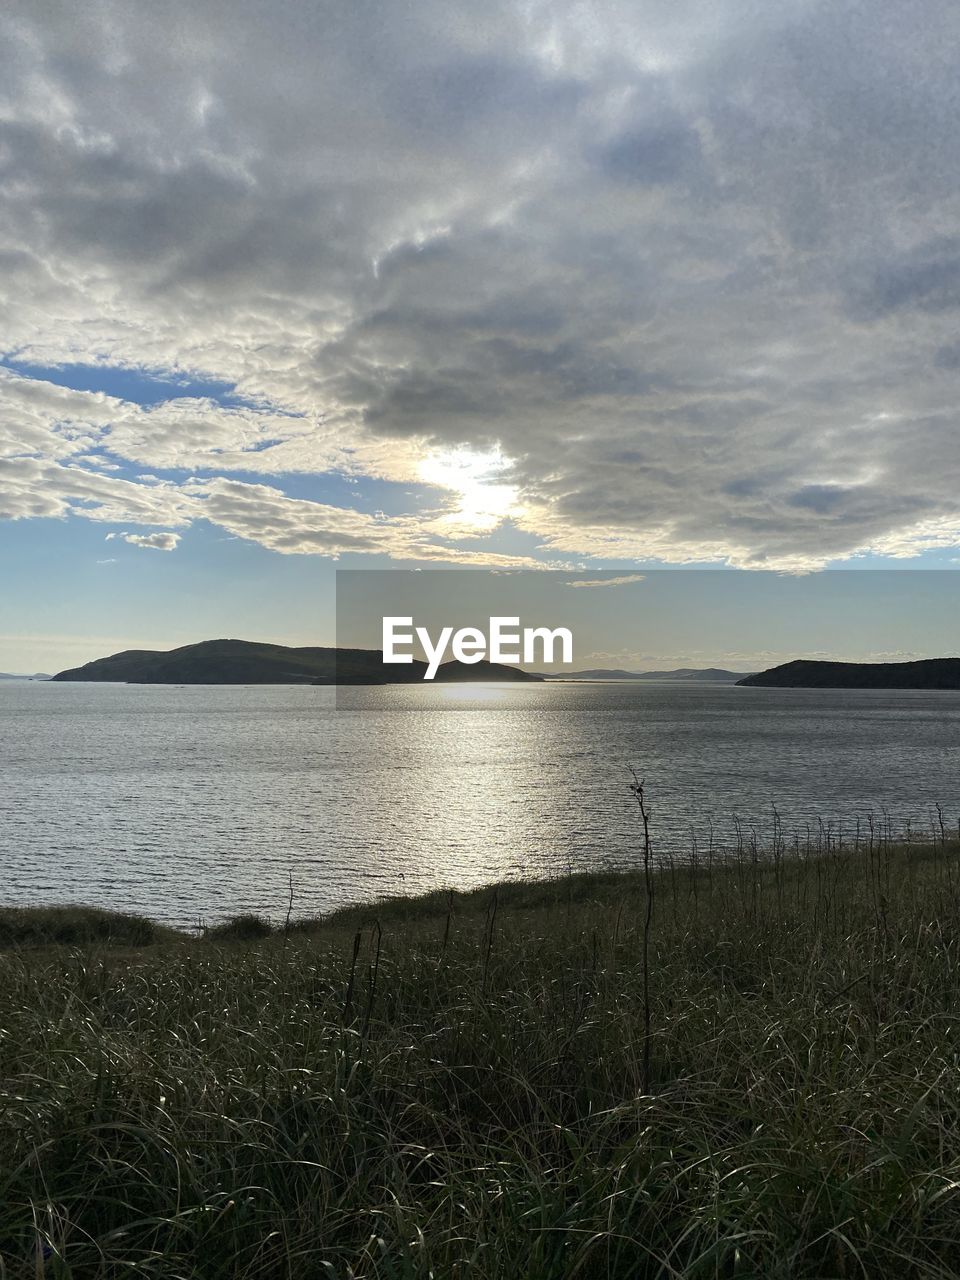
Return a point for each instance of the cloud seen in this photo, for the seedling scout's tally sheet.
(620, 581)
(156, 541)
(694, 271)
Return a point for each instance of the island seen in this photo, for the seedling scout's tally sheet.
(928, 673)
(251, 662)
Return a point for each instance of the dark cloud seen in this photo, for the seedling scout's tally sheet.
(654, 154)
(926, 279)
(693, 268)
(476, 100)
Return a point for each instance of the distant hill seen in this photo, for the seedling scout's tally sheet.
(210, 662)
(714, 674)
(37, 675)
(249, 662)
(929, 673)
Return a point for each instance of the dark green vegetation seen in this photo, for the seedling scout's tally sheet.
(76, 926)
(249, 662)
(453, 1086)
(930, 673)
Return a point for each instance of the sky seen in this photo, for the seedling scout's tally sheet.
(662, 619)
(297, 286)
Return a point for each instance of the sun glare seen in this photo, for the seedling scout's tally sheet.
(481, 500)
(473, 691)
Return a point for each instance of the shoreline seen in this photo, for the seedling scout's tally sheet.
(82, 924)
(521, 1080)
(747, 1068)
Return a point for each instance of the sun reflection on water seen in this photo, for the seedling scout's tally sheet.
(475, 692)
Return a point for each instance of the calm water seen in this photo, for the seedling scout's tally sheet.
(198, 802)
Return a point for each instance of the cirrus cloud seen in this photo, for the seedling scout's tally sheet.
(621, 580)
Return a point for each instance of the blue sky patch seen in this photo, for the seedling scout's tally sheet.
(139, 386)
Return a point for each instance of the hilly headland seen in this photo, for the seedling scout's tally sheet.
(928, 673)
(252, 662)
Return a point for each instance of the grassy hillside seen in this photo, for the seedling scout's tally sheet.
(455, 1086)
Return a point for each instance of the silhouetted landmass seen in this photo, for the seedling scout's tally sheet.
(454, 672)
(250, 662)
(929, 673)
(714, 674)
(210, 662)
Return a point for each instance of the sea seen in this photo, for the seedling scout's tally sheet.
(190, 804)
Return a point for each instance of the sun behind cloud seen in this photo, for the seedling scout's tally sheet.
(480, 500)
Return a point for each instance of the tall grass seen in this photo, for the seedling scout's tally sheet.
(457, 1086)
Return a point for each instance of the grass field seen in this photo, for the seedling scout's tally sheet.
(463, 1085)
